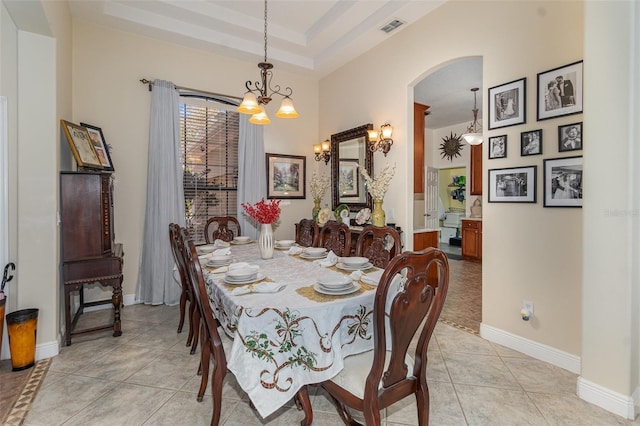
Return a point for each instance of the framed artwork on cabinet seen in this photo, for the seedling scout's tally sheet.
(81, 145)
(100, 145)
(348, 180)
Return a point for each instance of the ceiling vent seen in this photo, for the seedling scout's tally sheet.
(392, 25)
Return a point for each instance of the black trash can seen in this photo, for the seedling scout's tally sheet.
(22, 328)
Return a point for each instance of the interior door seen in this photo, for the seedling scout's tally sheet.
(432, 221)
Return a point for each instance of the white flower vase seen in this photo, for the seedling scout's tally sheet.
(265, 241)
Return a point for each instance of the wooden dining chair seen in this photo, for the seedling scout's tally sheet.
(224, 228)
(306, 232)
(379, 244)
(376, 379)
(212, 346)
(335, 236)
(187, 292)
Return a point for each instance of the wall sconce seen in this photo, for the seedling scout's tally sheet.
(380, 140)
(323, 151)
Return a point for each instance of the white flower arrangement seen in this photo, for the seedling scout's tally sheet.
(377, 187)
(318, 186)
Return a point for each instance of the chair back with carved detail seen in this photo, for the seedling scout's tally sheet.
(224, 228)
(307, 232)
(379, 244)
(176, 242)
(335, 236)
(211, 342)
(406, 310)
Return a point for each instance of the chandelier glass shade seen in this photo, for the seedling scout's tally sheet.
(473, 135)
(259, 93)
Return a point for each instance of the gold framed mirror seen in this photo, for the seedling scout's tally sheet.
(350, 151)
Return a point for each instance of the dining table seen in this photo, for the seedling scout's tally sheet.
(294, 337)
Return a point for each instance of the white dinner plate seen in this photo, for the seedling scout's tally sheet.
(320, 289)
(344, 267)
(233, 282)
(306, 256)
(277, 247)
(241, 242)
(335, 281)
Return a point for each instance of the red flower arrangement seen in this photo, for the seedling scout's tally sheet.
(263, 212)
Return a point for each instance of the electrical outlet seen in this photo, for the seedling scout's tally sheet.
(528, 306)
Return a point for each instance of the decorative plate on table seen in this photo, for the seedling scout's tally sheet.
(363, 216)
(341, 211)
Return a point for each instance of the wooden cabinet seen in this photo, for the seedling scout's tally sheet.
(422, 240)
(89, 254)
(475, 186)
(472, 239)
(418, 147)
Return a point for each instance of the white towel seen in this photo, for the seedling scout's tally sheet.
(372, 278)
(222, 251)
(330, 260)
(220, 244)
(264, 287)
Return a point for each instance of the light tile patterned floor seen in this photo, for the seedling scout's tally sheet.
(148, 377)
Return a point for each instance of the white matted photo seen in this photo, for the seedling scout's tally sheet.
(513, 185)
(563, 182)
(560, 91)
(507, 104)
(498, 146)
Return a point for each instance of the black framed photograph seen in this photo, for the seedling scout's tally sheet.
(498, 146)
(513, 185)
(563, 182)
(100, 145)
(531, 142)
(570, 137)
(286, 176)
(507, 104)
(560, 91)
(81, 145)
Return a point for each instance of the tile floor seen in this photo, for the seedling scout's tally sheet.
(148, 377)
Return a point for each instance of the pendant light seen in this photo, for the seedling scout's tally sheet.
(473, 135)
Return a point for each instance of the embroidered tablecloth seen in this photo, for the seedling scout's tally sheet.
(291, 338)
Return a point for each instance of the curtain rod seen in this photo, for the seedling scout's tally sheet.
(150, 84)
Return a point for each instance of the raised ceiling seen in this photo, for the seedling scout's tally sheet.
(313, 36)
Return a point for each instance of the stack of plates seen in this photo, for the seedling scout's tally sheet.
(241, 240)
(204, 249)
(353, 263)
(284, 244)
(243, 275)
(336, 285)
(216, 260)
(314, 253)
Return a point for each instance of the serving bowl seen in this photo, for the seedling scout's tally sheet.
(242, 238)
(354, 261)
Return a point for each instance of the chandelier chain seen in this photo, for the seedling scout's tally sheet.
(265, 30)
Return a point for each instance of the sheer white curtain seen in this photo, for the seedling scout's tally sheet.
(252, 186)
(165, 199)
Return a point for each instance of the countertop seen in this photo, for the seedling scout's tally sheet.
(472, 218)
(419, 230)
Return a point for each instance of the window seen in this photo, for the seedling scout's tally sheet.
(209, 156)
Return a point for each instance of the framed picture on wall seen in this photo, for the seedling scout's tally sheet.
(348, 179)
(513, 185)
(100, 145)
(560, 91)
(507, 104)
(531, 142)
(286, 176)
(498, 146)
(81, 145)
(570, 137)
(563, 182)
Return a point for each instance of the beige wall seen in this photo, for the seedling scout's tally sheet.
(520, 41)
(107, 67)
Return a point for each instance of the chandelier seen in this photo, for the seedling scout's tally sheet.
(259, 93)
(473, 135)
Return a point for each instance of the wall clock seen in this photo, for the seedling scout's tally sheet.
(451, 146)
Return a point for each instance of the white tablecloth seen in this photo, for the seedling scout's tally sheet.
(285, 340)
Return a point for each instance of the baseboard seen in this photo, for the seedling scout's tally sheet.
(607, 399)
(533, 349)
(47, 350)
